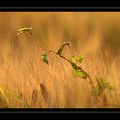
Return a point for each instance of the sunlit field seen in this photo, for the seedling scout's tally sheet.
(27, 82)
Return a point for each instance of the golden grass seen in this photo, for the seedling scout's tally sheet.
(41, 86)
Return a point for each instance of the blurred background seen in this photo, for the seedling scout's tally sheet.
(93, 34)
(88, 31)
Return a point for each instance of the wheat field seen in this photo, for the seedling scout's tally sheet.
(38, 85)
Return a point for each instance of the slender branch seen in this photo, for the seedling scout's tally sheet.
(89, 77)
(50, 51)
(90, 80)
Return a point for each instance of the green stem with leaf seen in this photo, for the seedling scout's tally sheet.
(59, 54)
(102, 84)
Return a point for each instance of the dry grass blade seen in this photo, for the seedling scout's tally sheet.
(24, 30)
(95, 35)
(34, 96)
(44, 92)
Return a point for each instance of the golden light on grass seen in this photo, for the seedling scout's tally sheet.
(54, 86)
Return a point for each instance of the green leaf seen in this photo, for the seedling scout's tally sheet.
(73, 59)
(96, 91)
(76, 59)
(80, 73)
(104, 83)
(100, 82)
(74, 66)
(80, 58)
(44, 57)
(108, 86)
(61, 48)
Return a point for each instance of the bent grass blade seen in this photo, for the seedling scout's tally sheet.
(24, 30)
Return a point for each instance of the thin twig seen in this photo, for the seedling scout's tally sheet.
(90, 80)
(89, 77)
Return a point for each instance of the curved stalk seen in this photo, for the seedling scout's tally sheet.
(90, 80)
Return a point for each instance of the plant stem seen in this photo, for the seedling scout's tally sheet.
(90, 80)
(89, 77)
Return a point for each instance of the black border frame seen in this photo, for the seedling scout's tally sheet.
(52, 114)
(59, 3)
(58, 114)
(59, 9)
